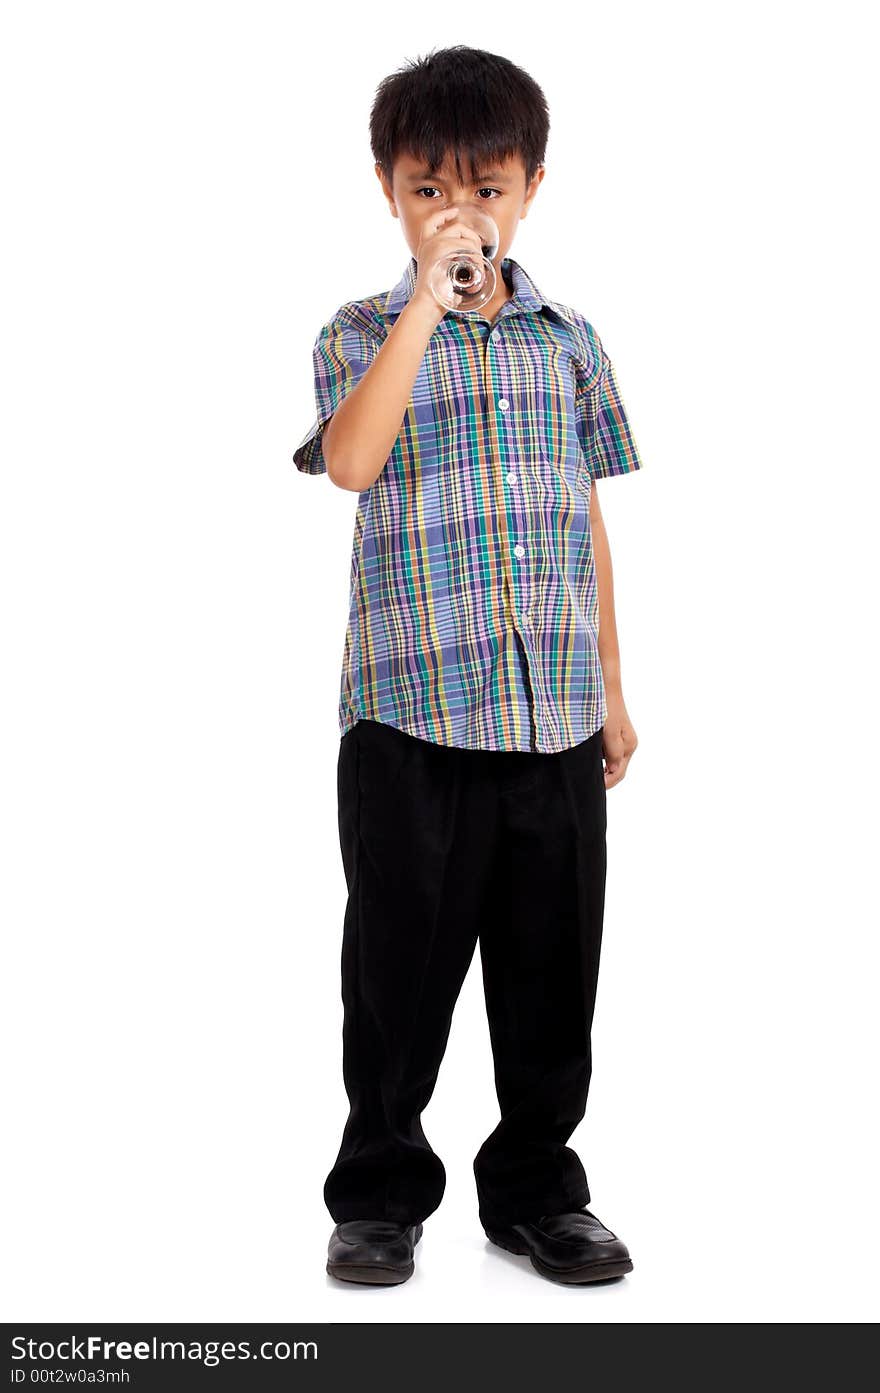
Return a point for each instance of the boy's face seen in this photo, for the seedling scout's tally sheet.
(414, 195)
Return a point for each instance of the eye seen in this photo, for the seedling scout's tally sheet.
(431, 189)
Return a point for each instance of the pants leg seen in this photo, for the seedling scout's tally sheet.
(539, 950)
(415, 819)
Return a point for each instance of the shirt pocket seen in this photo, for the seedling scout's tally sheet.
(553, 411)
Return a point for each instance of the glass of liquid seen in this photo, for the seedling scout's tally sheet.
(462, 280)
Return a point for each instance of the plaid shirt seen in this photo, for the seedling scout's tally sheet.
(474, 613)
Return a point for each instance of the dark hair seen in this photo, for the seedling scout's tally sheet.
(464, 99)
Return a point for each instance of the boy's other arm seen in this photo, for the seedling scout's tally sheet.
(360, 434)
(620, 739)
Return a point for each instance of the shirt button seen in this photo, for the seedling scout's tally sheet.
(511, 478)
(519, 551)
(503, 403)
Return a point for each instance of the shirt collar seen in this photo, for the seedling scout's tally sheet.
(526, 295)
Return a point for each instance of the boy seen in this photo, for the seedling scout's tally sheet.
(480, 687)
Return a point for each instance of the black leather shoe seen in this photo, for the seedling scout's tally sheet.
(373, 1250)
(571, 1247)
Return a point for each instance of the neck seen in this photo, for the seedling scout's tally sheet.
(503, 293)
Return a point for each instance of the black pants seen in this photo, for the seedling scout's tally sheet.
(443, 847)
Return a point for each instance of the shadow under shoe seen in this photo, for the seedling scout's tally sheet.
(374, 1251)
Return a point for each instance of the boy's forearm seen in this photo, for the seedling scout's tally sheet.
(609, 650)
(361, 434)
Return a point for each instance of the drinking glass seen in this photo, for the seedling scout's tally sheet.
(462, 280)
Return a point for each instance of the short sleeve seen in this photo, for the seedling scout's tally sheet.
(343, 350)
(603, 425)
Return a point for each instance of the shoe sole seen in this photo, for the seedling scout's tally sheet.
(370, 1275)
(569, 1276)
(374, 1274)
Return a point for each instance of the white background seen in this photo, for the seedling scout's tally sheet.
(190, 194)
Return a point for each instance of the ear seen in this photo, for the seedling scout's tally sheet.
(533, 189)
(386, 189)
(536, 181)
